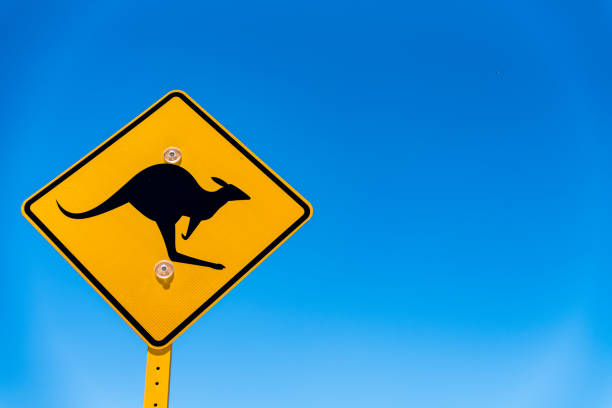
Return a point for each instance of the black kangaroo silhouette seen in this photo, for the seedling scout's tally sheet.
(164, 193)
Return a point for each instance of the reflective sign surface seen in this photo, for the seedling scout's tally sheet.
(166, 216)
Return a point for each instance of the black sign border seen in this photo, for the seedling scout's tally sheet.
(225, 288)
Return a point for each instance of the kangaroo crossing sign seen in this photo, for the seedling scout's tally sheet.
(167, 216)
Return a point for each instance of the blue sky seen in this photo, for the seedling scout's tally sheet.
(457, 157)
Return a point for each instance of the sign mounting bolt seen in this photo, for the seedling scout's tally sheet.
(164, 270)
(172, 155)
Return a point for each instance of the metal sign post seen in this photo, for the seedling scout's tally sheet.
(157, 379)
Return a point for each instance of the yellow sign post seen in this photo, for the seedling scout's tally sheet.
(165, 218)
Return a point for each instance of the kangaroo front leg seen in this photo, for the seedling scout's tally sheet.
(168, 233)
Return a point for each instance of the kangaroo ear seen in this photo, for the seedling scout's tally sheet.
(219, 181)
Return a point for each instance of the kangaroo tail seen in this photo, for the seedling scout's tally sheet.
(114, 201)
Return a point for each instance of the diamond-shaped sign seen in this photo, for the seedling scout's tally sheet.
(167, 216)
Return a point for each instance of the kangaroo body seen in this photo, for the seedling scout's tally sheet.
(164, 193)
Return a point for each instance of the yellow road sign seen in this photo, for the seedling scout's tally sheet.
(167, 216)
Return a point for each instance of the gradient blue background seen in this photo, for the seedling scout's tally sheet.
(458, 160)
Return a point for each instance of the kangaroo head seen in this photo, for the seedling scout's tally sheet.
(230, 191)
(227, 192)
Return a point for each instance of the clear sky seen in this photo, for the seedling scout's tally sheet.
(457, 155)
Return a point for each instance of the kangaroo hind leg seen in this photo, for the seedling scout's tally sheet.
(168, 233)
